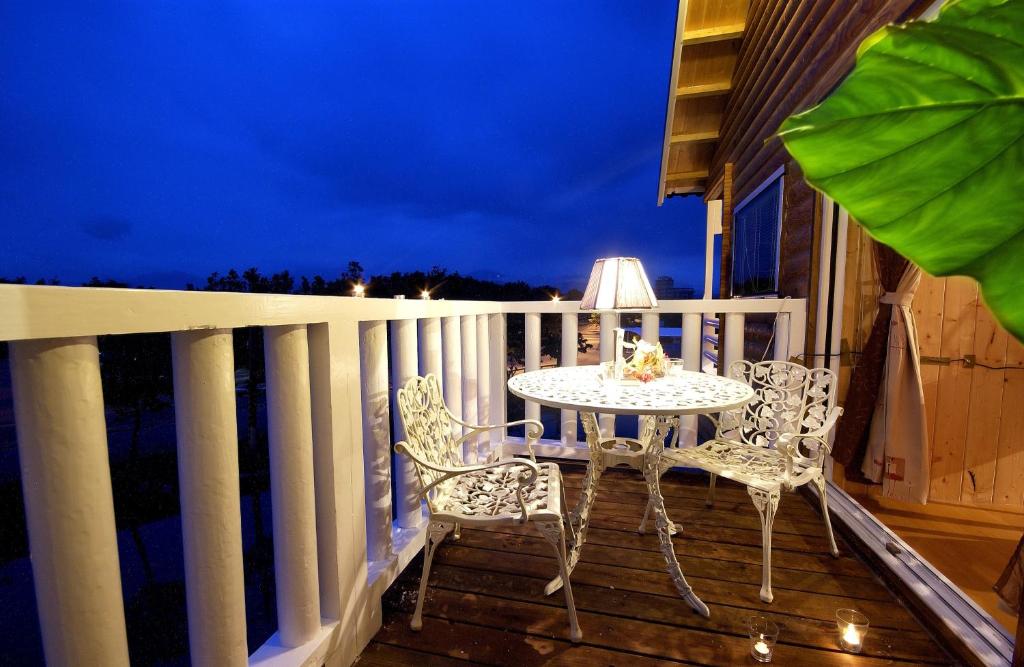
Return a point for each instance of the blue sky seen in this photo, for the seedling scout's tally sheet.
(156, 142)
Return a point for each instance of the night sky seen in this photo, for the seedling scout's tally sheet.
(155, 142)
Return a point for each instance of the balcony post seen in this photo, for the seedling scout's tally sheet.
(693, 333)
(430, 349)
(451, 348)
(781, 350)
(732, 348)
(570, 349)
(531, 355)
(483, 379)
(69, 505)
(496, 336)
(408, 510)
(290, 430)
(469, 382)
(211, 524)
(376, 418)
(650, 331)
(609, 322)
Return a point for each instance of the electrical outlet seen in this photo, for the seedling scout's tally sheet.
(969, 360)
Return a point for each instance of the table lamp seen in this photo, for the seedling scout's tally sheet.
(618, 284)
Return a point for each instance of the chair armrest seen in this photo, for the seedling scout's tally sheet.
(526, 478)
(826, 426)
(534, 431)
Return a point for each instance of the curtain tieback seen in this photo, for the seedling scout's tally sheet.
(897, 298)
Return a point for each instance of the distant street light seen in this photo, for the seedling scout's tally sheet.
(359, 290)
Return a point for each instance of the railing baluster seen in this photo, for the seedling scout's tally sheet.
(731, 349)
(430, 349)
(497, 336)
(207, 434)
(290, 431)
(469, 382)
(531, 325)
(693, 325)
(609, 322)
(451, 345)
(650, 331)
(69, 505)
(376, 417)
(408, 506)
(483, 379)
(780, 352)
(570, 348)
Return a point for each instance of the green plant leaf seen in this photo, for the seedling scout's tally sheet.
(923, 144)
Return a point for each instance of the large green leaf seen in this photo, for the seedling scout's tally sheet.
(923, 144)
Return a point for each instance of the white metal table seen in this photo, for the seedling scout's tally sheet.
(660, 403)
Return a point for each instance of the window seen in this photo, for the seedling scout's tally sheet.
(756, 227)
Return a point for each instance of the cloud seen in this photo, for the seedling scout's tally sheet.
(107, 228)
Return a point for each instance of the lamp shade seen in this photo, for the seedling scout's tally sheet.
(618, 283)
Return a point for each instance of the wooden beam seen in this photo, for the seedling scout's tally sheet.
(718, 33)
(666, 143)
(725, 266)
(694, 137)
(686, 175)
(704, 89)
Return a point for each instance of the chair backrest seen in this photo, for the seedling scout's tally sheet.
(788, 398)
(429, 431)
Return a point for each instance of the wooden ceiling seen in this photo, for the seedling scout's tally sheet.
(708, 37)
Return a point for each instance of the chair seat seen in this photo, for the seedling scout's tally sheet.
(760, 467)
(489, 495)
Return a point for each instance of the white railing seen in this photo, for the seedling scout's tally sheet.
(329, 385)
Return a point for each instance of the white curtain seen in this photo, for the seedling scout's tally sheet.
(897, 453)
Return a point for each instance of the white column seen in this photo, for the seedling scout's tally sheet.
(483, 379)
(469, 382)
(497, 335)
(731, 349)
(211, 524)
(376, 419)
(531, 353)
(408, 510)
(650, 331)
(69, 505)
(609, 322)
(780, 351)
(693, 332)
(714, 227)
(290, 430)
(430, 349)
(570, 348)
(451, 348)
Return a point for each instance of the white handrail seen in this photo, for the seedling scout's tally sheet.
(345, 338)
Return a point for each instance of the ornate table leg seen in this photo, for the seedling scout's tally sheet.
(653, 434)
(579, 517)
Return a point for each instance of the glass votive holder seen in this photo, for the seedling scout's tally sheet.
(852, 627)
(675, 367)
(763, 635)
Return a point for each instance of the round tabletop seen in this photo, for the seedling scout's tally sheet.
(583, 389)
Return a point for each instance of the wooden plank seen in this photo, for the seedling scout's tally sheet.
(687, 175)
(378, 654)
(677, 48)
(716, 34)
(692, 137)
(985, 410)
(886, 643)
(953, 400)
(704, 89)
(1009, 484)
(477, 646)
(698, 114)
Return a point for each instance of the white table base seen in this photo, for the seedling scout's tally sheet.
(646, 457)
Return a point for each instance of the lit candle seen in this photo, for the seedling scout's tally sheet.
(852, 638)
(762, 648)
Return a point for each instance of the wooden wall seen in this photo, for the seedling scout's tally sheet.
(975, 415)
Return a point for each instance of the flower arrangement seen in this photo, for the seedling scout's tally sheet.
(647, 362)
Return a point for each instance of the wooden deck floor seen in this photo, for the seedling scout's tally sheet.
(485, 603)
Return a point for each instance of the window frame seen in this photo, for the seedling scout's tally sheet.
(777, 176)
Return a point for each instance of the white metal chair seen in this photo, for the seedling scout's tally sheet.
(510, 491)
(778, 441)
